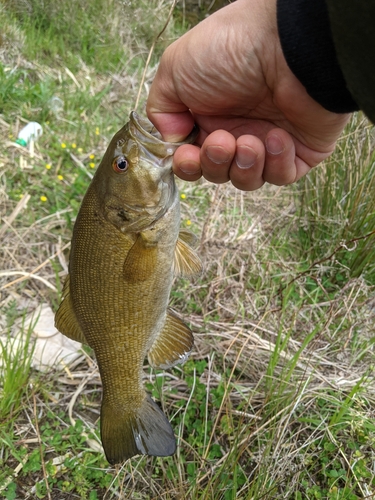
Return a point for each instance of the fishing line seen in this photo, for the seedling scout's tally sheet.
(151, 51)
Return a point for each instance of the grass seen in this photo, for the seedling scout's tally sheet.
(277, 399)
(15, 365)
(336, 205)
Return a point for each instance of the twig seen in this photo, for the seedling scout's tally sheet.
(74, 398)
(94, 445)
(224, 400)
(151, 51)
(324, 259)
(246, 441)
(8, 221)
(32, 273)
(348, 464)
(41, 449)
(74, 79)
(16, 471)
(182, 425)
(214, 206)
(78, 162)
(26, 275)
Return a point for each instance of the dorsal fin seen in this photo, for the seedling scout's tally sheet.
(186, 261)
(188, 237)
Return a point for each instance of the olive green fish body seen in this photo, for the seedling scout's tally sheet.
(113, 302)
(125, 252)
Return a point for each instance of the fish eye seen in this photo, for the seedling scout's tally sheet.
(120, 164)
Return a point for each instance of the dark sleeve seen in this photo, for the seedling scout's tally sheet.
(353, 27)
(308, 46)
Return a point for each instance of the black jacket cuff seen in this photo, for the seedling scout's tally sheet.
(308, 47)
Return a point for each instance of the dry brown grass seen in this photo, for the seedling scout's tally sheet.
(283, 355)
(239, 323)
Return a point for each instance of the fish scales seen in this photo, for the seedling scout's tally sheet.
(126, 249)
(146, 301)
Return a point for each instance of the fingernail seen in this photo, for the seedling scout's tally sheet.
(245, 157)
(274, 145)
(218, 155)
(189, 167)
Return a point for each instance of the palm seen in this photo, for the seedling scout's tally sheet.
(236, 86)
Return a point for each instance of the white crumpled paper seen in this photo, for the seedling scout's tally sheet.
(51, 348)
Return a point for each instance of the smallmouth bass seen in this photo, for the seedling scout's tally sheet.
(126, 249)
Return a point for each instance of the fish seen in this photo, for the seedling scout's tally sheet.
(126, 249)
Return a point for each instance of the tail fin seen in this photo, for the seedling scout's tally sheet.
(144, 431)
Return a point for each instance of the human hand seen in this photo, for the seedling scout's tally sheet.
(257, 122)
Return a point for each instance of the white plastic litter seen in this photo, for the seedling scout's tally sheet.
(52, 349)
(31, 132)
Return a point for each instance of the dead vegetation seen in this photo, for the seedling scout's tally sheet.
(279, 390)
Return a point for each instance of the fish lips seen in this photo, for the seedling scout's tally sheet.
(150, 141)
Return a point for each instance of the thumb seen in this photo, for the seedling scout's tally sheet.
(174, 127)
(165, 109)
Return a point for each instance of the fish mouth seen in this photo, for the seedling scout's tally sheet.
(145, 133)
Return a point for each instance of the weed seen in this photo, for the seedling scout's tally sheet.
(15, 361)
(276, 400)
(337, 208)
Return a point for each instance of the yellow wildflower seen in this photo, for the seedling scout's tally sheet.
(63, 145)
(188, 222)
(60, 177)
(97, 131)
(74, 145)
(92, 164)
(92, 157)
(48, 166)
(43, 198)
(183, 196)
(80, 150)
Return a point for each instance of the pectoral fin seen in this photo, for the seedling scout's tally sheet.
(173, 345)
(65, 319)
(186, 261)
(141, 260)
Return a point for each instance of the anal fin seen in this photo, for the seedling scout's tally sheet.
(65, 318)
(173, 345)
